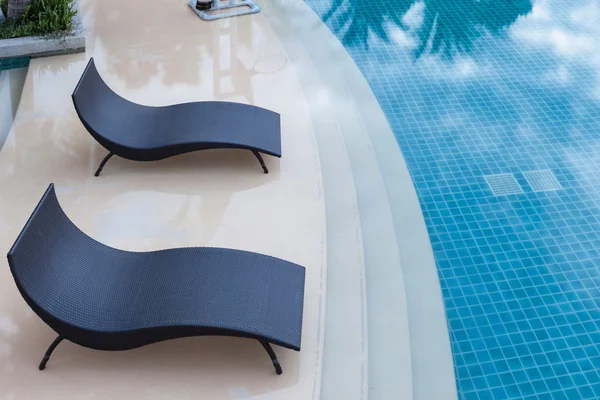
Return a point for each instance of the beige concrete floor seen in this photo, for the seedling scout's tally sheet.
(155, 53)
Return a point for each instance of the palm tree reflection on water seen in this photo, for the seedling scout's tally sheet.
(445, 26)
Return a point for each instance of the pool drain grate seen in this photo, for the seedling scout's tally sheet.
(542, 180)
(503, 184)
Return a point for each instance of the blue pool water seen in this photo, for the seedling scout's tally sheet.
(496, 107)
(12, 79)
(13, 63)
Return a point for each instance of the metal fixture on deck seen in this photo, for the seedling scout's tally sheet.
(223, 9)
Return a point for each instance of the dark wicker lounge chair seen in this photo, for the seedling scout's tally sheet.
(109, 299)
(143, 133)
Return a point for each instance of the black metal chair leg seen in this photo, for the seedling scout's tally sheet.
(274, 359)
(49, 352)
(102, 163)
(261, 161)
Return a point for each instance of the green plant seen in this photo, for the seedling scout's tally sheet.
(52, 15)
(41, 18)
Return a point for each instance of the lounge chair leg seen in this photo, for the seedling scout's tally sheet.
(274, 359)
(102, 163)
(261, 161)
(49, 352)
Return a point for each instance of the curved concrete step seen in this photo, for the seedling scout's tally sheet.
(388, 366)
(408, 344)
(345, 362)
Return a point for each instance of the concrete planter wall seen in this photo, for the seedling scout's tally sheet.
(43, 47)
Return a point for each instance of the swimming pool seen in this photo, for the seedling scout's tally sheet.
(495, 106)
(12, 78)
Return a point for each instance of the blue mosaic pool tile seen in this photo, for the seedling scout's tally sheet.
(479, 88)
(13, 63)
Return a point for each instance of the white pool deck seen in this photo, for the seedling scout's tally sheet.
(340, 202)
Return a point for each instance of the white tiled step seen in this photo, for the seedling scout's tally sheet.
(375, 361)
(345, 361)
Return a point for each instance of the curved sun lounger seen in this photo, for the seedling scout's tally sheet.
(143, 133)
(108, 299)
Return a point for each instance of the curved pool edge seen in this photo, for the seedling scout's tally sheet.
(345, 358)
(430, 341)
(430, 351)
(429, 337)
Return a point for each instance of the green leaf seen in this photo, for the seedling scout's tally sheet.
(42, 17)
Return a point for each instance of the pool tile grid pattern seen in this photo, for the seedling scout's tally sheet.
(475, 90)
